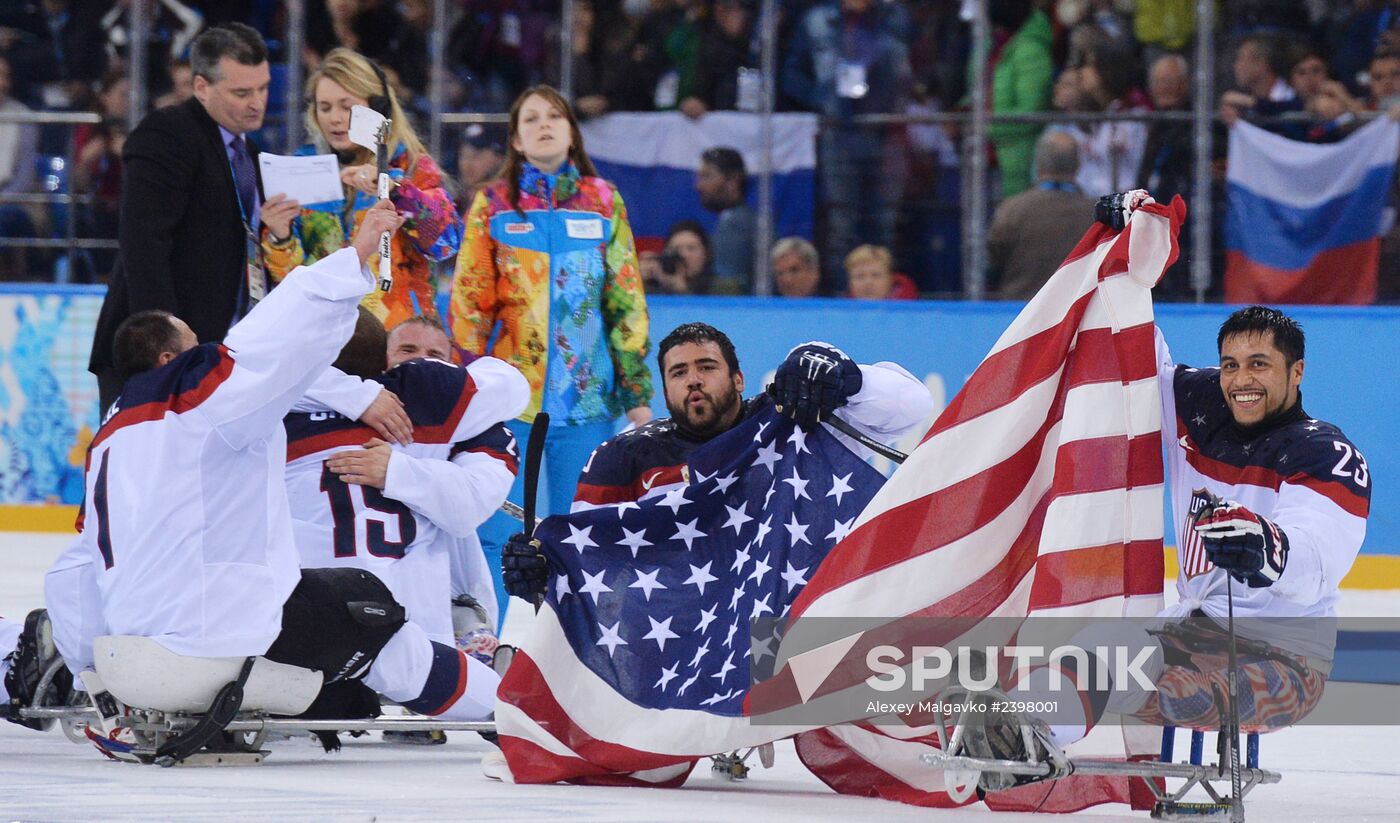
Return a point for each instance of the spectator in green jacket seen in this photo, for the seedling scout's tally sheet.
(1022, 70)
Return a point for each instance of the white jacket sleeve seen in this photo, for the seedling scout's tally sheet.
(456, 495)
(502, 393)
(1166, 386)
(1324, 515)
(890, 403)
(284, 343)
(344, 394)
(75, 602)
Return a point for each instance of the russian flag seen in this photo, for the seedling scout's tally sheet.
(652, 158)
(1303, 222)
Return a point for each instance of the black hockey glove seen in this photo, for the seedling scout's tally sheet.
(1114, 210)
(1253, 549)
(524, 568)
(814, 380)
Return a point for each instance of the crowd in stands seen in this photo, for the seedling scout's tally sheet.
(1309, 69)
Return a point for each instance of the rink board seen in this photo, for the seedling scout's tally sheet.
(48, 401)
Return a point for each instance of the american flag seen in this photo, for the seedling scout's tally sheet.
(1192, 553)
(641, 658)
(1038, 491)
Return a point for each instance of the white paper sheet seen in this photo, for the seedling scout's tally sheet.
(307, 180)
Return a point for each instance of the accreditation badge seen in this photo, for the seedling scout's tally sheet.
(256, 276)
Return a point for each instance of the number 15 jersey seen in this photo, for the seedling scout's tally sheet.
(447, 482)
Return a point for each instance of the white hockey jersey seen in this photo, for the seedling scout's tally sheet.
(1299, 472)
(185, 515)
(453, 476)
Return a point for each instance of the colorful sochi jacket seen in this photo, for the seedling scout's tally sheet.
(563, 281)
(433, 231)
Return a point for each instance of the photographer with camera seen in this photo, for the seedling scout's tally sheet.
(684, 266)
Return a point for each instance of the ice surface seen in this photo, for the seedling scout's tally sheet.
(1329, 773)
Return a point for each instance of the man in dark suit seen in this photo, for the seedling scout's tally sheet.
(191, 202)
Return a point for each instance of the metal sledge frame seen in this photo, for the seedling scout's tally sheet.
(1168, 804)
(246, 732)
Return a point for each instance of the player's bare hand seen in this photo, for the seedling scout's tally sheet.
(639, 416)
(278, 213)
(366, 466)
(376, 221)
(387, 416)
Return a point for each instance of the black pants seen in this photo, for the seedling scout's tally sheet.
(336, 621)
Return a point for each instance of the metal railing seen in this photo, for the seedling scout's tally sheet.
(58, 185)
(974, 192)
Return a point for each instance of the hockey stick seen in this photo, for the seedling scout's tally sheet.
(1236, 801)
(865, 439)
(381, 153)
(534, 451)
(370, 129)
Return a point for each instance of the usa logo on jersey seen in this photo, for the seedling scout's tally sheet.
(1192, 554)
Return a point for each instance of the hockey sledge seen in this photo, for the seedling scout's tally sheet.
(150, 705)
(966, 774)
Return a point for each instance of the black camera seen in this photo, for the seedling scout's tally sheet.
(670, 261)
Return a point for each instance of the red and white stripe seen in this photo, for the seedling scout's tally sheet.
(1038, 491)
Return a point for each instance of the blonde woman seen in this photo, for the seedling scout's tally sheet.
(297, 233)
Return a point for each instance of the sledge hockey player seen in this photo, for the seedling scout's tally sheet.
(703, 389)
(474, 608)
(357, 502)
(186, 536)
(356, 398)
(1264, 493)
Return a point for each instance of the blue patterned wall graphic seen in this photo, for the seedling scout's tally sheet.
(48, 401)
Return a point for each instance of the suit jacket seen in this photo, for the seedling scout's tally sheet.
(181, 230)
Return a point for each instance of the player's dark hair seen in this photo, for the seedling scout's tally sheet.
(240, 43)
(140, 341)
(697, 333)
(1288, 335)
(365, 354)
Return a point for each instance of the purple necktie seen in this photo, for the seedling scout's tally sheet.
(243, 177)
